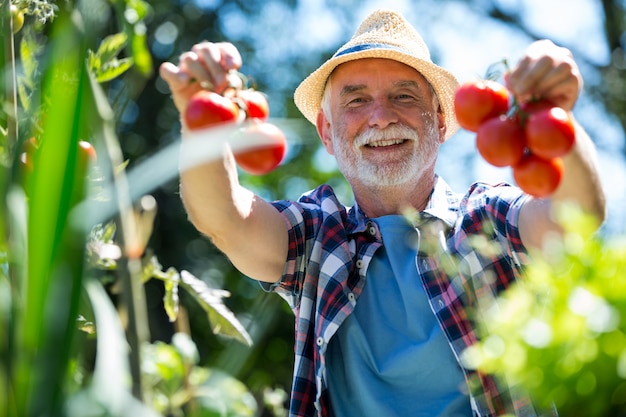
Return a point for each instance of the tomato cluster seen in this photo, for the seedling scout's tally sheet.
(530, 137)
(208, 108)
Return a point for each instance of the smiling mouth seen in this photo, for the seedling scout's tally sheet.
(386, 142)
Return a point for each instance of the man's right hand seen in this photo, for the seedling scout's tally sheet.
(208, 65)
(249, 230)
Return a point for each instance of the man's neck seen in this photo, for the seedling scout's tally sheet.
(381, 201)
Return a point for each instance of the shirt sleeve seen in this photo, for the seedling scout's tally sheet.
(493, 210)
(304, 220)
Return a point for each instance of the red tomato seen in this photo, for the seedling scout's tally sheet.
(500, 141)
(477, 101)
(550, 132)
(537, 176)
(264, 158)
(207, 108)
(254, 104)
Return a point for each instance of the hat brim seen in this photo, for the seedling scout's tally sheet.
(308, 95)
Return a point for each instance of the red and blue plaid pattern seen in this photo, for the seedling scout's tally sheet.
(470, 249)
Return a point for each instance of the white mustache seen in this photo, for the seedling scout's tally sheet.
(390, 133)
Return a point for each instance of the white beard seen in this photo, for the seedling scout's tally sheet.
(355, 167)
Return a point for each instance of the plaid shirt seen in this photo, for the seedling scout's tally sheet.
(470, 249)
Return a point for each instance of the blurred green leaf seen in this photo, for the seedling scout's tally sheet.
(186, 348)
(165, 368)
(113, 69)
(104, 63)
(45, 320)
(170, 299)
(222, 319)
(111, 46)
(221, 395)
(560, 333)
(108, 394)
(27, 82)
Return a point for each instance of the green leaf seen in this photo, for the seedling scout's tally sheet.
(164, 367)
(108, 394)
(108, 232)
(30, 50)
(222, 319)
(221, 395)
(186, 347)
(113, 69)
(171, 299)
(52, 282)
(104, 63)
(111, 46)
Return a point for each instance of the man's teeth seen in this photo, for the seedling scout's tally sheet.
(387, 142)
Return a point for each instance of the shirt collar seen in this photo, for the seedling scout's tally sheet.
(358, 221)
(443, 205)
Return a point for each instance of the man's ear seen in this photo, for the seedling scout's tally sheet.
(441, 124)
(323, 130)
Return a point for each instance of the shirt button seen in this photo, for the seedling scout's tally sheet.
(359, 263)
(351, 297)
(441, 304)
(372, 230)
(320, 341)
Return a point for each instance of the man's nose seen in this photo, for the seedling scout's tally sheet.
(382, 114)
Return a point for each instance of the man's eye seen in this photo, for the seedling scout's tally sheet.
(356, 100)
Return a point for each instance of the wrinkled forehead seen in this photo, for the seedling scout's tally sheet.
(360, 70)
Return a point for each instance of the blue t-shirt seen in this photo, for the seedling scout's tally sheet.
(390, 357)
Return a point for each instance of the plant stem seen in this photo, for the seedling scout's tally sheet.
(131, 268)
(10, 81)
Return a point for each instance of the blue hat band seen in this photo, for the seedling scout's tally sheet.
(368, 46)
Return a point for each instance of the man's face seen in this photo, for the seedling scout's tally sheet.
(383, 127)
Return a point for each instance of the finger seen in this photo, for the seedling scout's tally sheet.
(523, 80)
(559, 82)
(219, 59)
(561, 88)
(209, 57)
(193, 65)
(173, 76)
(230, 56)
(544, 73)
(180, 84)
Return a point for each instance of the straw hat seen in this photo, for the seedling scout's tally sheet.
(383, 34)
